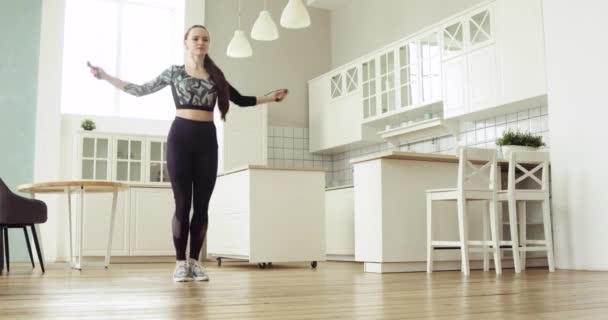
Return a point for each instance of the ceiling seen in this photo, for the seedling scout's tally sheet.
(326, 4)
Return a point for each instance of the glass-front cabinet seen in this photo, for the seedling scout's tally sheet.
(368, 83)
(158, 171)
(430, 67)
(94, 158)
(116, 157)
(387, 82)
(128, 155)
(409, 80)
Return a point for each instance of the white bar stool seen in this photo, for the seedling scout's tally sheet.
(463, 193)
(520, 170)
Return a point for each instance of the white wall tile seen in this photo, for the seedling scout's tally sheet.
(298, 154)
(278, 131)
(511, 117)
(523, 115)
(288, 142)
(288, 163)
(298, 143)
(535, 124)
(288, 132)
(523, 125)
(298, 163)
(288, 154)
(279, 153)
(501, 119)
(308, 156)
(298, 132)
(535, 112)
(490, 133)
(480, 135)
(308, 164)
(279, 162)
(278, 142)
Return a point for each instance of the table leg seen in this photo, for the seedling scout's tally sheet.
(112, 218)
(69, 193)
(81, 229)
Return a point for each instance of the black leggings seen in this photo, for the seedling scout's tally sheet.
(192, 164)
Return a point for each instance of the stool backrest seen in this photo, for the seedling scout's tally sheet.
(476, 164)
(528, 164)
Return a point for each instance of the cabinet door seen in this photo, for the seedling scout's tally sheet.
(387, 82)
(128, 157)
(455, 87)
(453, 39)
(157, 162)
(340, 222)
(409, 71)
(97, 211)
(430, 67)
(151, 212)
(94, 157)
(480, 28)
(482, 78)
(369, 86)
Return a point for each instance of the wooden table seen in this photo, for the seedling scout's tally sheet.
(83, 187)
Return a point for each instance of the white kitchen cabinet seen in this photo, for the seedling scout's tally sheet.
(143, 212)
(96, 223)
(335, 117)
(261, 214)
(150, 220)
(340, 223)
(469, 62)
(521, 50)
(482, 78)
(455, 86)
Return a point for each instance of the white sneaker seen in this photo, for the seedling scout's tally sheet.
(182, 272)
(197, 271)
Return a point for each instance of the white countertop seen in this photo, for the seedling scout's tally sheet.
(260, 167)
(400, 155)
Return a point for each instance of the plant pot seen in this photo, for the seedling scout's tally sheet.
(506, 150)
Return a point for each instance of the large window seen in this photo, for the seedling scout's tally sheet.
(134, 40)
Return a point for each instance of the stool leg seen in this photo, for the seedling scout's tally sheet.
(429, 234)
(522, 232)
(8, 258)
(484, 219)
(464, 234)
(38, 251)
(29, 247)
(514, 236)
(494, 223)
(548, 233)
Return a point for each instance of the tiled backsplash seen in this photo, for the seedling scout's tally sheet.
(289, 146)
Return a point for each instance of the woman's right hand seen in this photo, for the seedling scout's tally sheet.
(97, 72)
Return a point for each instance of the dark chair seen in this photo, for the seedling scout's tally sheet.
(19, 212)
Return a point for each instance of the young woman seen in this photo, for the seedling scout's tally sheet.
(192, 143)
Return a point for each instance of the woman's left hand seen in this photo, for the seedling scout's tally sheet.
(279, 95)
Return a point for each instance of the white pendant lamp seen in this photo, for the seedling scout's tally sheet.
(264, 28)
(295, 15)
(239, 46)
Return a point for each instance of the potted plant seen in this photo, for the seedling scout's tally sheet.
(87, 124)
(519, 141)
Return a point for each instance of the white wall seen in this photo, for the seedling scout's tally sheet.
(576, 53)
(362, 26)
(288, 62)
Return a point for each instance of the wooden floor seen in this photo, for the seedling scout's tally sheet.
(295, 291)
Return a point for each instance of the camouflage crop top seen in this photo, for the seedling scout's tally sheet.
(188, 92)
